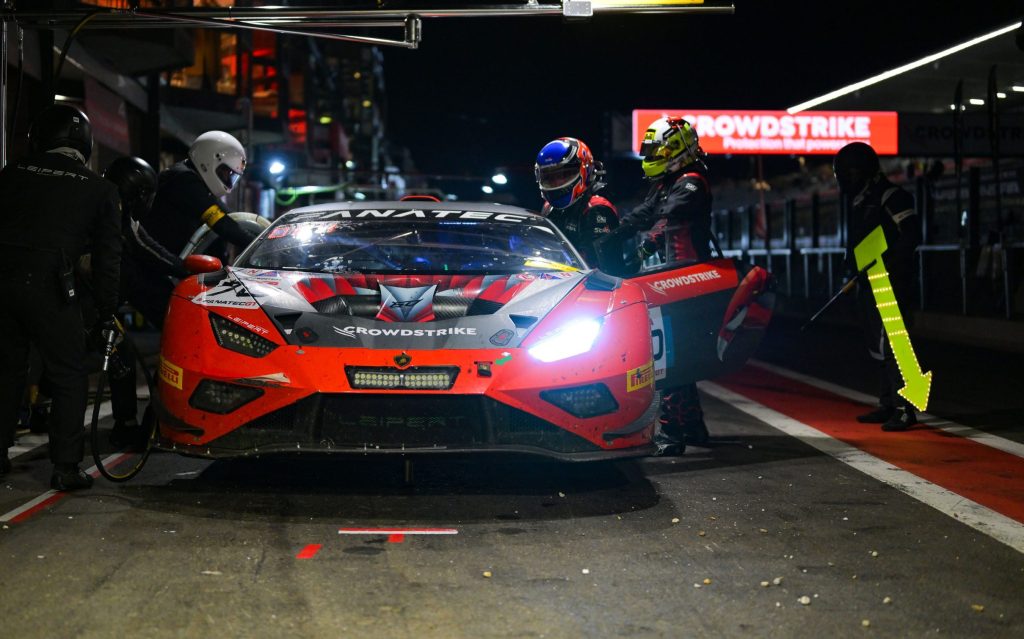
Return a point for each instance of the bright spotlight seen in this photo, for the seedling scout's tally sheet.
(487, 188)
(276, 167)
(500, 179)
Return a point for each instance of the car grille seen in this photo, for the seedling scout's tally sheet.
(397, 421)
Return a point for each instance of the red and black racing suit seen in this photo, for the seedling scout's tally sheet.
(584, 222)
(678, 211)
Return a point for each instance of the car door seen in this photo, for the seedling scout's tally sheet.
(707, 318)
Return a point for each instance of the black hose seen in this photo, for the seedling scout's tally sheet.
(67, 46)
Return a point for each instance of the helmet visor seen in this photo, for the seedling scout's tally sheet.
(227, 176)
(652, 151)
(556, 177)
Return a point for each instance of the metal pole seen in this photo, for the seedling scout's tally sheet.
(993, 139)
(257, 16)
(3, 94)
(958, 149)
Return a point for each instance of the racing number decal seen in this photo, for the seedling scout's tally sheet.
(661, 342)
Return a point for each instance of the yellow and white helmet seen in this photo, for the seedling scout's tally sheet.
(669, 144)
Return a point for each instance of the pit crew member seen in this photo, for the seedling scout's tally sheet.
(55, 208)
(874, 201)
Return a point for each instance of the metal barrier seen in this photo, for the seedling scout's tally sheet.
(813, 228)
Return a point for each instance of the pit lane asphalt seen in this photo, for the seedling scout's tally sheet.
(199, 548)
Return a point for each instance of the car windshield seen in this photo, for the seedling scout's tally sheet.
(409, 246)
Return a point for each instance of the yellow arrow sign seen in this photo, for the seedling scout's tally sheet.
(916, 385)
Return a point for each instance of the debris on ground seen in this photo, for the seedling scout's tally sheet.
(874, 553)
(777, 581)
(765, 584)
(675, 520)
(701, 533)
(211, 572)
(488, 574)
(586, 571)
(707, 581)
(866, 623)
(805, 600)
(977, 608)
(887, 600)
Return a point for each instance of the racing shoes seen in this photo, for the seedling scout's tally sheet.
(901, 420)
(69, 477)
(880, 415)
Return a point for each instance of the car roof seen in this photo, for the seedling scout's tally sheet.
(410, 205)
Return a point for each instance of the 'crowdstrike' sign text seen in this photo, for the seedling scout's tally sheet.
(778, 132)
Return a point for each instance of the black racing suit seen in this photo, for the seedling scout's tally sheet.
(584, 222)
(883, 203)
(182, 204)
(678, 210)
(54, 209)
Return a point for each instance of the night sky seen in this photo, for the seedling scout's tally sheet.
(479, 94)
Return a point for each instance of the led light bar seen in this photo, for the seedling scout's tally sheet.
(415, 378)
(235, 338)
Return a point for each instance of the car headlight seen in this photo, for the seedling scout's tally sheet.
(235, 338)
(222, 398)
(573, 338)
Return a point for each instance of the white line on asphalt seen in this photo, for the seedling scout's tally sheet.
(980, 436)
(32, 503)
(398, 531)
(982, 519)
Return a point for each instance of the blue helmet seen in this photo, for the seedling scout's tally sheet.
(564, 171)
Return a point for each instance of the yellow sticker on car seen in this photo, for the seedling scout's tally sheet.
(170, 373)
(640, 377)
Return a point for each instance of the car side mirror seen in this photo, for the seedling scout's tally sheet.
(196, 264)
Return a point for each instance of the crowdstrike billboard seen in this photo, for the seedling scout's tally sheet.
(778, 132)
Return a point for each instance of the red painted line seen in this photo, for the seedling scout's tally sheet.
(396, 538)
(46, 503)
(51, 497)
(988, 476)
(309, 551)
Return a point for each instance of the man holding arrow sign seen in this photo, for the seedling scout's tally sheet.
(884, 231)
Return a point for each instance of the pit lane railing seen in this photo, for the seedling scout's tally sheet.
(968, 263)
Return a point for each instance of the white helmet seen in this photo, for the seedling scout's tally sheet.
(220, 160)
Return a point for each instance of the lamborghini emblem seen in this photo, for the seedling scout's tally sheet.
(402, 359)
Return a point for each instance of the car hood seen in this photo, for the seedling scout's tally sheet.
(427, 311)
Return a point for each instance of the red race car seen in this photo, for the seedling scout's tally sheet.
(404, 327)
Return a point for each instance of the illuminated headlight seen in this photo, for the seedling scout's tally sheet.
(221, 397)
(235, 338)
(582, 401)
(574, 338)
